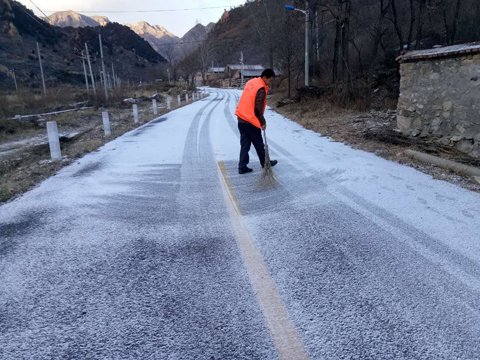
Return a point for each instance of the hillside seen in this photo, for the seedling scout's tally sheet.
(163, 41)
(160, 39)
(133, 58)
(191, 40)
(101, 20)
(170, 46)
(71, 18)
(354, 44)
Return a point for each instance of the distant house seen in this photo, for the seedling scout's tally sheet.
(439, 92)
(214, 75)
(217, 70)
(198, 79)
(234, 73)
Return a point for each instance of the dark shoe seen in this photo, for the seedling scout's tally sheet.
(245, 170)
(272, 163)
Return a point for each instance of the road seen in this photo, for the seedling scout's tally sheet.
(153, 247)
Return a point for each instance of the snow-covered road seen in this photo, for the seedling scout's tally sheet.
(154, 247)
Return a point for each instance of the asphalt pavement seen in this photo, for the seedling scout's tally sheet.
(154, 247)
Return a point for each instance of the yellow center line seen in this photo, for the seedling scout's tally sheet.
(284, 334)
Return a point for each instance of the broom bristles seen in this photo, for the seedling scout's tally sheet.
(268, 179)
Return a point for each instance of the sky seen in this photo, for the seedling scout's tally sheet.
(177, 22)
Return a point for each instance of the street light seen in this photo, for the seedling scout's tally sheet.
(307, 37)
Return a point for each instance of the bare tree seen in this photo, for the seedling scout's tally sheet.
(451, 26)
(170, 53)
(287, 42)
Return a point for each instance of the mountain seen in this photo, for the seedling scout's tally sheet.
(61, 50)
(143, 28)
(76, 20)
(101, 20)
(192, 39)
(71, 18)
(6, 19)
(210, 27)
(170, 46)
(163, 41)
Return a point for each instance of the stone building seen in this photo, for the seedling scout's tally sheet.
(234, 73)
(440, 96)
(214, 74)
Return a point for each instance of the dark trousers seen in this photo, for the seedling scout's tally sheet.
(249, 135)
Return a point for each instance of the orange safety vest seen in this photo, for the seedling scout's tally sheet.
(246, 105)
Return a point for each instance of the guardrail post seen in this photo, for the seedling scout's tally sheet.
(106, 123)
(54, 141)
(135, 113)
(154, 107)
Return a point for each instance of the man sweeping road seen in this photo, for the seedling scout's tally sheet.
(251, 121)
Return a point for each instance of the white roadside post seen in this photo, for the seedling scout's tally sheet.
(193, 96)
(179, 100)
(169, 103)
(186, 98)
(135, 113)
(106, 123)
(154, 107)
(54, 141)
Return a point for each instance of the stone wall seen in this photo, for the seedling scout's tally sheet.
(440, 99)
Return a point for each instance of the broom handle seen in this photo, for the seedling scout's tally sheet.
(265, 138)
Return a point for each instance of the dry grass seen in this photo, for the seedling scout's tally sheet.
(373, 131)
(28, 102)
(22, 171)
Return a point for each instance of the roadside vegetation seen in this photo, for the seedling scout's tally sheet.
(24, 151)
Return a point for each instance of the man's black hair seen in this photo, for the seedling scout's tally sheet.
(268, 73)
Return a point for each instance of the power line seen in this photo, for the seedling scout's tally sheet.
(32, 16)
(139, 11)
(40, 11)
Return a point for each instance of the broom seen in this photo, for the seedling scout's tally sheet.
(268, 177)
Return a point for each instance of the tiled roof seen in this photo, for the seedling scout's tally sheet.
(245, 67)
(216, 69)
(454, 50)
(251, 73)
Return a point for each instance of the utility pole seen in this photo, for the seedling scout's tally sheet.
(41, 70)
(307, 44)
(15, 80)
(100, 75)
(91, 71)
(85, 72)
(306, 12)
(317, 37)
(241, 62)
(114, 79)
(103, 68)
